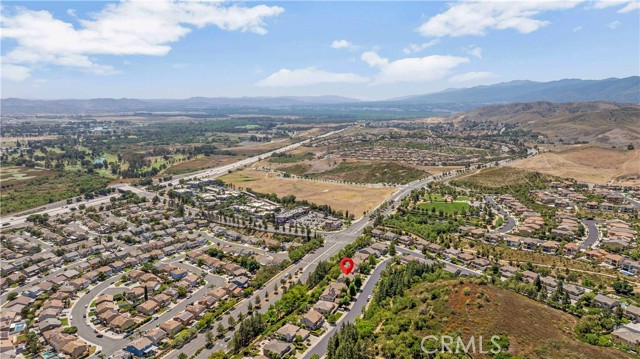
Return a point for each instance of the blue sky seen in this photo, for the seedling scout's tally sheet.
(367, 50)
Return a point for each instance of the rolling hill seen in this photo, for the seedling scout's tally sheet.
(602, 123)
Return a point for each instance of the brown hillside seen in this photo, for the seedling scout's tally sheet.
(594, 122)
(534, 330)
(587, 163)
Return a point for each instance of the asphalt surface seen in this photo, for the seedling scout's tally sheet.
(350, 316)
(592, 234)
(334, 242)
(111, 345)
(509, 221)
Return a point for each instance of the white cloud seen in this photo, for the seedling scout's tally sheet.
(373, 59)
(71, 12)
(603, 4)
(126, 28)
(412, 69)
(475, 51)
(614, 25)
(341, 44)
(476, 18)
(308, 76)
(628, 5)
(413, 48)
(14, 72)
(577, 28)
(634, 5)
(472, 76)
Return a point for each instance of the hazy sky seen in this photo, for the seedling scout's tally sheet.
(367, 50)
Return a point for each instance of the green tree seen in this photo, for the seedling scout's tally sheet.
(622, 287)
(357, 281)
(33, 344)
(182, 291)
(392, 249)
(209, 338)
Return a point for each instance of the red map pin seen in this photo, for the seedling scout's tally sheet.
(346, 265)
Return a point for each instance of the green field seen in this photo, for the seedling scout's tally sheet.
(445, 207)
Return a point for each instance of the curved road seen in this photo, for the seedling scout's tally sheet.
(111, 345)
(509, 222)
(592, 234)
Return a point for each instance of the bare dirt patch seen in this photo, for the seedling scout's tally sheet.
(355, 199)
(587, 163)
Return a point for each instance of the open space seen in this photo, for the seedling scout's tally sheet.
(201, 163)
(588, 163)
(355, 199)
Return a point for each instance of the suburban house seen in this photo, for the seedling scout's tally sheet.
(312, 320)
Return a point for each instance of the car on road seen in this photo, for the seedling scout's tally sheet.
(227, 338)
(368, 298)
(99, 335)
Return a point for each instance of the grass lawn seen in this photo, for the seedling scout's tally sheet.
(64, 322)
(445, 207)
(436, 197)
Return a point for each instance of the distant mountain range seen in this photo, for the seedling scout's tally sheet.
(625, 90)
(101, 105)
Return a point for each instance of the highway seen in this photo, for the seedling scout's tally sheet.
(334, 242)
(60, 207)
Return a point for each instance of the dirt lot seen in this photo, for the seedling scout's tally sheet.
(355, 199)
(588, 164)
